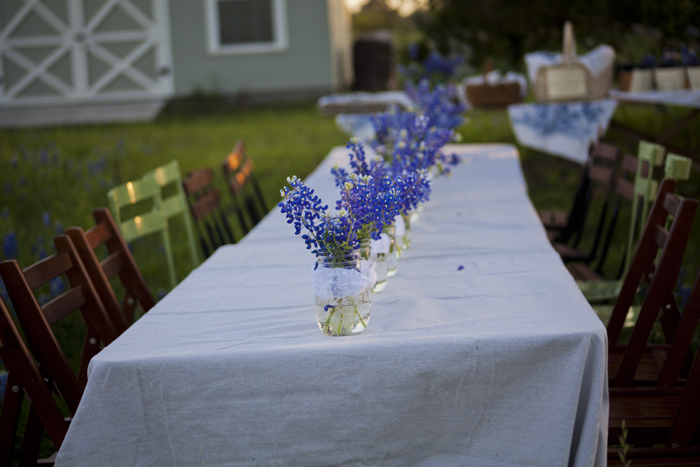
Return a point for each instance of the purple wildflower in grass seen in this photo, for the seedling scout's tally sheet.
(46, 219)
(3, 383)
(9, 246)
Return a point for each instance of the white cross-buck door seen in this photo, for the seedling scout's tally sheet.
(60, 51)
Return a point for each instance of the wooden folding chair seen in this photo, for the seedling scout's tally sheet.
(119, 263)
(624, 360)
(25, 378)
(150, 222)
(247, 198)
(561, 225)
(600, 175)
(205, 205)
(175, 204)
(36, 321)
(667, 416)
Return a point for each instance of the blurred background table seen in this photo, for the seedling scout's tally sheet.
(480, 351)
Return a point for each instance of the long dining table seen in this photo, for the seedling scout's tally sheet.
(481, 351)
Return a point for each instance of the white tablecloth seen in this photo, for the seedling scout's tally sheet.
(686, 98)
(501, 363)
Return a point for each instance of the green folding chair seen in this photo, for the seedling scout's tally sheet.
(176, 204)
(147, 223)
(645, 187)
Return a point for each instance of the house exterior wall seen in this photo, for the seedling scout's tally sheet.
(341, 43)
(304, 67)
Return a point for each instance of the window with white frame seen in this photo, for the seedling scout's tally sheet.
(246, 26)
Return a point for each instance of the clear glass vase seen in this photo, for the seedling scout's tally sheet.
(372, 251)
(405, 241)
(392, 258)
(344, 314)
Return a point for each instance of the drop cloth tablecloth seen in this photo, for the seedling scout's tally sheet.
(500, 363)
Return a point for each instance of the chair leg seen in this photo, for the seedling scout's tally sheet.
(32, 438)
(191, 238)
(169, 258)
(9, 418)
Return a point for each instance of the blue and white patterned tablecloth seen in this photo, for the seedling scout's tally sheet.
(561, 129)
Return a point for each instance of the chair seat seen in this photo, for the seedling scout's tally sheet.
(648, 420)
(657, 457)
(649, 367)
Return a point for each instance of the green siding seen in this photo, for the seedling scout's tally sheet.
(304, 66)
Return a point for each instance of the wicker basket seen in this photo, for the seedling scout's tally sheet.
(571, 80)
(492, 95)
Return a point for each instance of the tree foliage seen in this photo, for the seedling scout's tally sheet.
(510, 28)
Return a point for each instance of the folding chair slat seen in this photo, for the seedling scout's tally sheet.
(24, 376)
(205, 205)
(98, 235)
(63, 305)
(112, 264)
(660, 236)
(47, 269)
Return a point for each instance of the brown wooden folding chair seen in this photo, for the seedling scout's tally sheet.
(25, 378)
(120, 262)
(205, 205)
(36, 321)
(601, 176)
(635, 363)
(667, 416)
(563, 225)
(247, 197)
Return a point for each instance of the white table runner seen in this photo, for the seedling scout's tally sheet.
(501, 363)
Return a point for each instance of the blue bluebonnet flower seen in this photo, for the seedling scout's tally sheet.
(59, 227)
(460, 267)
(445, 66)
(9, 246)
(3, 383)
(440, 104)
(57, 287)
(408, 140)
(46, 219)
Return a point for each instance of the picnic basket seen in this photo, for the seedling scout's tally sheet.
(485, 94)
(571, 80)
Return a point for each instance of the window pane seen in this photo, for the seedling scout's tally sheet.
(245, 21)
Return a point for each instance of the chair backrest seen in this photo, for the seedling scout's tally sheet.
(650, 156)
(24, 376)
(243, 186)
(145, 190)
(601, 156)
(205, 205)
(120, 263)
(662, 277)
(687, 421)
(175, 204)
(36, 321)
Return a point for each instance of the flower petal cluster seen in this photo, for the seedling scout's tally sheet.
(440, 105)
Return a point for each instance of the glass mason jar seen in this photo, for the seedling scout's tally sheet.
(416, 213)
(377, 251)
(405, 241)
(392, 258)
(347, 312)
